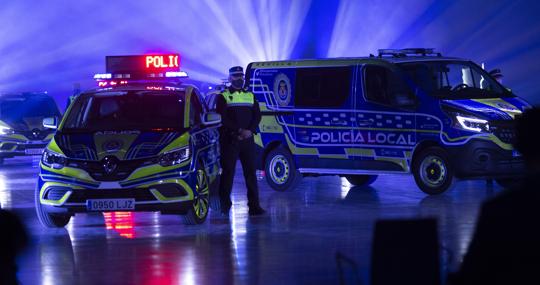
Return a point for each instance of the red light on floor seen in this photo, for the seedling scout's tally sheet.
(121, 222)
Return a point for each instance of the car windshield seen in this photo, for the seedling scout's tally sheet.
(454, 80)
(126, 110)
(17, 110)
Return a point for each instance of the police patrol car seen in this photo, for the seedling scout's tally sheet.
(21, 132)
(144, 141)
(402, 111)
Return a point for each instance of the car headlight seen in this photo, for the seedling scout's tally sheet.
(174, 157)
(5, 130)
(53, 159)
(473, 124)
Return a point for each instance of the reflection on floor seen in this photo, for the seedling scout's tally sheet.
(296, 243)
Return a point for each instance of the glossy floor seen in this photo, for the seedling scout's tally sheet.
(296, 243)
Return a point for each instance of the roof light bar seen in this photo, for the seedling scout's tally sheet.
(408, 51)
(102, 76)
(176, 74)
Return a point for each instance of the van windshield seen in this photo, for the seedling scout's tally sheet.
(454, 80)
(126, 110)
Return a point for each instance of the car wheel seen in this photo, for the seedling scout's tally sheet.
(199, 208)
(50, 220)
(361, 180)
(281, 173)
(432, 171)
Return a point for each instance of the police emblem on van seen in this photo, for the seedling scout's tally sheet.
(282, 89)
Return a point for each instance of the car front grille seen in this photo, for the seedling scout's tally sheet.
(81, 195)
(504, 130)
(122, 171)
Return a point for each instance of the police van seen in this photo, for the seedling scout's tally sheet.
(143, 141)
(21, 131)
(403, 111)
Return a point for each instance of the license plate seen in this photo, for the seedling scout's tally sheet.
(110, 204)
(33, 151)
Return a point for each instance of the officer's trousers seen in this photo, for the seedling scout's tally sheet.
(231, 150)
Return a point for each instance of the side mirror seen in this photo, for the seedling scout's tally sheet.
(50, 123)
(211, 118)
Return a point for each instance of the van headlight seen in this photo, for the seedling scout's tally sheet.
(175, 156)
(473, 124)
(5, 130)
(53, 160)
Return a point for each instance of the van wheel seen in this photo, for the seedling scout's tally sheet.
(432, 171)
(361, 180)
(281, 173)
(199, 208)
(49, 220)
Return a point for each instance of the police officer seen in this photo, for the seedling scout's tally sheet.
(240, 116)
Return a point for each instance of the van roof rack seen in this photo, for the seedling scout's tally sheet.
(408, 51)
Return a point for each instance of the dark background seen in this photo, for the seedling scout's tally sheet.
(50, 45)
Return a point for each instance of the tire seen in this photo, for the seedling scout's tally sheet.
(49, 220)
(361, 180)
(281, 172)
(508, 183)
(432, 171)
(198, 211)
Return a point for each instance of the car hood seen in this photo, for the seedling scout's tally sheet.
(124, 145)
(490, 109)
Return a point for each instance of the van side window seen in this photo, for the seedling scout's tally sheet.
(327, 87)
(385, 87)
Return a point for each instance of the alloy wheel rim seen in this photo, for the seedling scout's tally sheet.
(279, 169)
(200, 203)
(433, 171)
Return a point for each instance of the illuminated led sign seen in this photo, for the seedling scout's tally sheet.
(143, 64)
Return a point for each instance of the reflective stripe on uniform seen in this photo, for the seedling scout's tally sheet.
(239, 98)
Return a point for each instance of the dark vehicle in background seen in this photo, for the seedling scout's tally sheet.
(21, 129)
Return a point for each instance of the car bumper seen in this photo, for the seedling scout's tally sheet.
(11, 149)
(168, 197)
(485, 159)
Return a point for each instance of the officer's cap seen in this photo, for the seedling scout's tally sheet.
(236, 70)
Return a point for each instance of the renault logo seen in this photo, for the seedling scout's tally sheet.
(110, 163)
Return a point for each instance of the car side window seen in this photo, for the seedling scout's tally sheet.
(386, 87)
(326, 87)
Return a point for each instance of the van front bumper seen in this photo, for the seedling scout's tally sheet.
(484, 159)
(11, 149)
